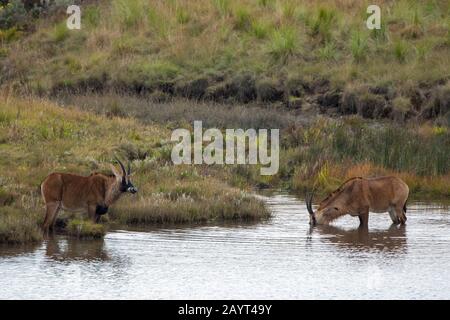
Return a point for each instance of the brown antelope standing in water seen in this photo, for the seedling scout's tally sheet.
(93, 194)
(358, 196)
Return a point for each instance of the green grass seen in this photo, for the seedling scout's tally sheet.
(85, 229)
(242, 19)
(92, 16)
(323, 24)
(328, 52)
(183, 16)
(359, 46)
(60, 32)
(40, 137)
(260, 29)
(129, 13)
(222, 6)
(401, 51)
(284, 43)
(18, 226)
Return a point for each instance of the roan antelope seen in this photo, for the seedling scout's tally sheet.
(92, 194)
(357, 196)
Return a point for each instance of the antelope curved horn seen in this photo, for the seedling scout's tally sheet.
(121, 166)
(309, 203)
(129, 168)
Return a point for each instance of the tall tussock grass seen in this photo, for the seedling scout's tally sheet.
(186, 209)
(18, 226)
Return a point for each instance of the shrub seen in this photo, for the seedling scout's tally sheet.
(20, 14)
(13, 15)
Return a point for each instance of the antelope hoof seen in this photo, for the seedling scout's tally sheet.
(403, 219)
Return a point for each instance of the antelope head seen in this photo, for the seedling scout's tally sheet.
(123, 178)
(325, 213)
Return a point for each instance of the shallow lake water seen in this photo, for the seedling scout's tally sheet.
(278, 259)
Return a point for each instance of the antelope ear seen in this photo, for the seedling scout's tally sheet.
(115, 172)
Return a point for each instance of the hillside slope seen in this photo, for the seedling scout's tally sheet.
(299, 54)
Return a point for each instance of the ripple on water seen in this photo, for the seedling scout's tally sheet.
(281, 258)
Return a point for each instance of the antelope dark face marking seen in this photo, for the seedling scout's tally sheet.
(100, 210)
(127, 186)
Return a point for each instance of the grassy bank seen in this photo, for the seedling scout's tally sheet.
(304, 54)
(38, 137)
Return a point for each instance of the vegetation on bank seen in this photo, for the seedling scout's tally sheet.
(85, 229)
(327, 152)
(315, 150)
(301, 54)
(18, 225)
(38, 137)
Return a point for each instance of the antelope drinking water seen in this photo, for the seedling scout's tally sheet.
(358, 196)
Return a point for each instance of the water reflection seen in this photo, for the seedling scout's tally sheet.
(73, 249)
(392, 239)
(267, 260)
(17, 250)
